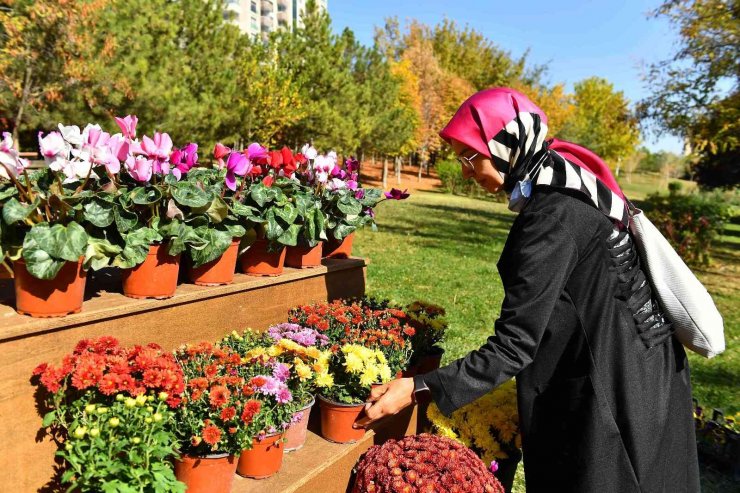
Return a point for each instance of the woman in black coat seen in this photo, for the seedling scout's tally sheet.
(603, 385)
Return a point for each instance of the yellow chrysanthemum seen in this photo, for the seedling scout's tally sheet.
(274, 351)
(325, 380)
(369, 376)
(256, 353)
(380, 357)
(319, 368)
(385, 373)
(353, 363)
(303, 371)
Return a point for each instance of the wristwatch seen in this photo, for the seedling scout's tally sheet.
(420, 387)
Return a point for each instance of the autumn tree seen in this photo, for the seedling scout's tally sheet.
(602, 120)
(688, 97)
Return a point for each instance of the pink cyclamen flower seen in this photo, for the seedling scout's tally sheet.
(352, 184)
(309, 151)
(396, 194)
(159, 147)
(53, 148)
(119, 151)
(256, 151)
(128, 125)
(219, 153)
(10, 164)
(360, 194)
(140, 168)
(237, 165)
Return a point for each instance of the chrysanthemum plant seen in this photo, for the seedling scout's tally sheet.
(351, 372)
(430, 326)
(111, 409)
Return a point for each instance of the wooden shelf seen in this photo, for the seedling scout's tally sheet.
(194, 314)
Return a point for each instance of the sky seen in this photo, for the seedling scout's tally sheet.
(576, 39)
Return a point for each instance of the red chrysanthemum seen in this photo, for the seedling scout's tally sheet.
(219, 396)
(251, 408)
(211, 435)
(228, 413)
(109, 384)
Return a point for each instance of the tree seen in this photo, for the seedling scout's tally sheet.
(601, 120)
(688, 99)
(554, 101)
(39, 43)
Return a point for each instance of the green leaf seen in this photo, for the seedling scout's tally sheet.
(8, 192)
(287, 213)
(343, 230)
(259, 194)
(136, 247)
(146, 195)
(49, 419)
(14, 211)
(235, 230)
(100, 252)
(349, 206)
(216, 210)
(290, 236)
(372, 197)
(125, 220)
(188, 194)
(39, 262)
(216, 243)
(273, 230)
(68, 242)
(99, 213)
(245, 211)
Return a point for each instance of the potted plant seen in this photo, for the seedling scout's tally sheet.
(211, 424)
(261, 180)
(490, 426)
(421, 463)
(299, 347)
(430, 326)
(111, 411)
(344, 387)
(54, 219)
(147, 214)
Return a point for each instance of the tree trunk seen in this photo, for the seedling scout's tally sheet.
(385, 172)
(22, 106)
(398, 170)
(421, 163)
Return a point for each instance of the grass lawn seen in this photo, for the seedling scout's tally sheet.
(444, 248)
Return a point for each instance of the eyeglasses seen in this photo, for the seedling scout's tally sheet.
(467, 161)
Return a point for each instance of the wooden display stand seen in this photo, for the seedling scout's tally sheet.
(195, 313)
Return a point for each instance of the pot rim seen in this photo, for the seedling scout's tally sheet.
(338, 404)
(309, 405)
(215, 455)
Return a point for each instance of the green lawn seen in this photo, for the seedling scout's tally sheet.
(444, 248)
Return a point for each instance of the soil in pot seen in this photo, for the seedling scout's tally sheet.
(50, 297)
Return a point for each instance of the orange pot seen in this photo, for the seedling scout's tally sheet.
(156, 277)
(295, 435)
(219, 271)
(304, 257)
(257, 261)
(49, 297)
(339, 249)
(208, 474)
(337, 420)
(263, 459)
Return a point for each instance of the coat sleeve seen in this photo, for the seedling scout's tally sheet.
(537, 261)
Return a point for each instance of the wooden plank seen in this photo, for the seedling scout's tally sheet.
(194, 314)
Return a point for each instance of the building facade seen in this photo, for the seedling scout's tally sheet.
(260, 17)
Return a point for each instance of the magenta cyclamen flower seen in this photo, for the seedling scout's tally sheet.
(184, 159)
(128, 125)
(360, 194)
(237, 165)
(140, 168)
(256, 151)
(352, 165)
(396, 194)
(159, 147)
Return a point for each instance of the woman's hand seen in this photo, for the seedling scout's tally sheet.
(387, 400)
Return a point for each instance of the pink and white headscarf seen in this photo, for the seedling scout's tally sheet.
(504, 125)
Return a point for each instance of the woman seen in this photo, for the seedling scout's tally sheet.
(603, 386)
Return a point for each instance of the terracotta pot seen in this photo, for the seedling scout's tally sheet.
(263, 459)
(337, 420)
(156, 277)
(257, 261)
(49, 297)
(304, 257)
(208, 474)
(430, 361)
(219, 271)
(339, 249)
(295, 435)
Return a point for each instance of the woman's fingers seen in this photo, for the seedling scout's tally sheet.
(377, 393)
(387, 400)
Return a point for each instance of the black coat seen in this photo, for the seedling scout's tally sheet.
(604, 397)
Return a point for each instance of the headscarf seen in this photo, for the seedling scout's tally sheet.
(505, 126)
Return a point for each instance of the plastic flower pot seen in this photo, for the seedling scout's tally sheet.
(219, 271)
(339, 248)
(431, 360)
(49, 297)
(263, 459)
(304, 257)
(206, 474)
(337, 420)
(295, 435)
(156, 277)
(258, 261)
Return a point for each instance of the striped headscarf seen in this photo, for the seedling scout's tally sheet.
(504, 125)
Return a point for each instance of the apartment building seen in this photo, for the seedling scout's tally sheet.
(260, 17)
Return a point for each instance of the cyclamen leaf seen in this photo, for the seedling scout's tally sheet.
(125, 220)
(235, 230)
(188, 194)
(216, 243)
(273, 229)
(290, 236)
(8, 192)
(145, 196)
(217, 210)
(343, 230)
(99, 213)
(39, 262)
(136, 247)
(68, 242)
(100, 252)
(287, 213)
(14, 211)
(349, 206)
(259, 194)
